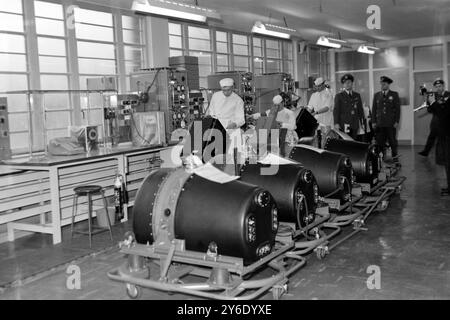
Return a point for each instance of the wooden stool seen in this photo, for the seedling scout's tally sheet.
(89, 191)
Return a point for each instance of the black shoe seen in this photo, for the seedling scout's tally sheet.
(423, 153)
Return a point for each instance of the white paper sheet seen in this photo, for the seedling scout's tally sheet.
(208, 171)
(274, 159)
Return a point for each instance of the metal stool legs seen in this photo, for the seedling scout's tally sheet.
(74, 213)
(89, 200)
(105, 205)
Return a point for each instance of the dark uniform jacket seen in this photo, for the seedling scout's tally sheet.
(348, 110)
(441, 110)
(386, 109)
(434, 124)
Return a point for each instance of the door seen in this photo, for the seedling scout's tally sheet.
(422, 118)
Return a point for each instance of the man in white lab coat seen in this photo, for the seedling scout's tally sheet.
(321, 105)
(228, 108)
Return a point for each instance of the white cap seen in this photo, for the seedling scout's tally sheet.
(277, 99)
(227, 82)
(319, 81)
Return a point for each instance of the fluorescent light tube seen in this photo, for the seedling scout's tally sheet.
(329, 42)
(261, 29)
(366, 49)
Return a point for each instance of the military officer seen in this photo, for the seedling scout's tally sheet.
(441, 108)
(386, 115)
(441, 94)
(348, 109)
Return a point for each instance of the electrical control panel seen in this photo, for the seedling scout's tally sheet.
(269, 85)
(166, 90)
(5, 144)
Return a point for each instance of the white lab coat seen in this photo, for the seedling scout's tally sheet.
(320, 100)
(228, 110)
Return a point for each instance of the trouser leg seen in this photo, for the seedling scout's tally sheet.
(430, 141)
(392, 139)
(381, 139)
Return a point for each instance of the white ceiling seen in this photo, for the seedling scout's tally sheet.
(400, 19)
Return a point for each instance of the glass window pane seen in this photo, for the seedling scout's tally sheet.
(391, 58)
(204, 70)
(257, 42)
(52, 64)
(175, 42)
(221, 36)
(14, 6)
(273, 66)
(240, 39)
(196, 44)
(11, 82)
(93, 17)
(241, 62)
(131, 36)
(50, 27)
(222, 60)
(258, 65)
(130, 23)
(222, 47)
(314, 61)
(16, 102)
(222, 68)
(199, 33)
(428, 58)
(18, 122)
(350, 60)
(133, 53)
(273, 44)
(240, 49)
(203, 58)
(288, 67)
(48, 10)
(13, 62)
(19, 140)
(400, 84)
(57, 101)
(273, 53)
(175, 53)
(95, 50)
(257, 52)
(175, 28)
(50, 82)
(84, 31)
(48, 46)
(12, 43)
(96, 66)
(58, 120)
(11, 22)
(131, 66)
(287, 50)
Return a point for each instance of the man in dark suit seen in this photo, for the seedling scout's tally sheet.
(441, 94)
(386, 116)
(348, 110)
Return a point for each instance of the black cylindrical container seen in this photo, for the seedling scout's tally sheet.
(241, 219)
(287, 185)
(330, 169)
(364, 158)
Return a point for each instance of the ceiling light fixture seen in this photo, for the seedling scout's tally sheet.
(272, 30)
(367, 49)
(330, 42)
(174, 9)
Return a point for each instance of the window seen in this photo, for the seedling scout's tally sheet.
(428, 57)
(53, 69)
(133, 46)
(175, 40)
(241, 55)
(273, 52)
(95, 43)
(199, 42)
(223, 50)
(258, 56)
(288, 58)
(13, 70)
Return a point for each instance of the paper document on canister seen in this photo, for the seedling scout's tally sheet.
(208, 171)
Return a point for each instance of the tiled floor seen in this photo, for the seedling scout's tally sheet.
(410, 242)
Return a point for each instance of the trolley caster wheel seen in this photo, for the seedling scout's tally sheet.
(278, 291)
(321, 252)
(383, 205)
(133, 291)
